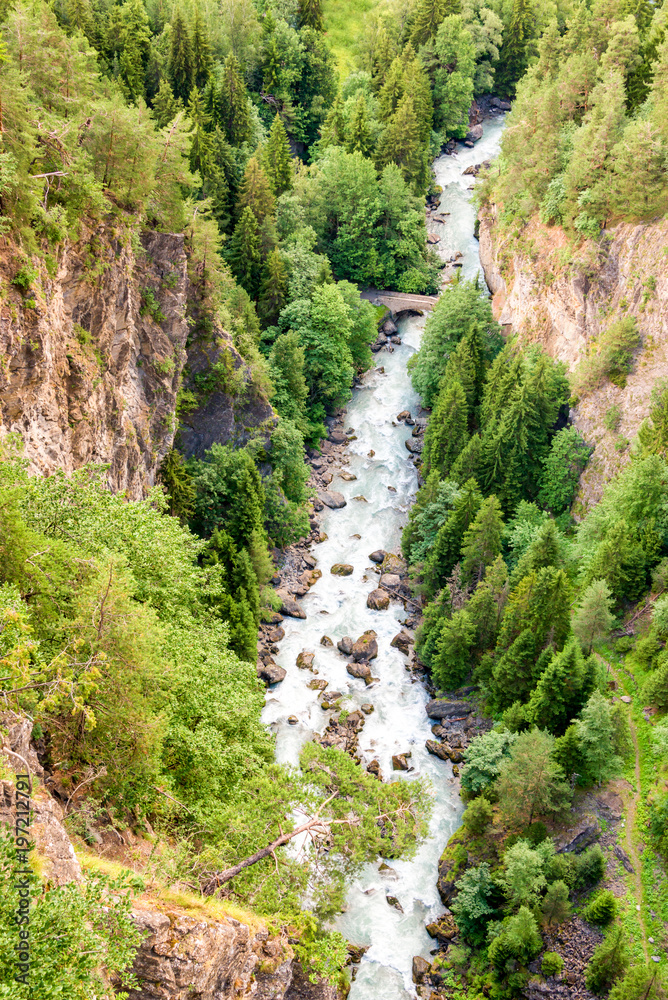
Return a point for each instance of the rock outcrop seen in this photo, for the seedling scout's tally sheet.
(548, 294)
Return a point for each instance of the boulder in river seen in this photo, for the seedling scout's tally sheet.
(399, 762)
(289, 606)
(276, 634)
(377, 556)
(309, 560)
(404, 415)
(345, 646)
(305, 660)
(402, 641)
(421, 969)
(390, 327)
(391, 581)
(326, 641)
(270, 617)
(337, 436)
(439, 750)
(366, 647)
(348, 477)
(367, 708)
(440, 708)
(341, 569)
(378, 600)
(443, 929)
(373, 767)
(362, 670)
(270, 672)
(332, 499)
(317, 684)
(292, 720)
(394, 902)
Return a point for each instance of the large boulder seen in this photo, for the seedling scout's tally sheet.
(399, 762)
(332, 499)
(341, 569)
(391, 581)
(402, 641)
(337, 436)
(366, 647)
(377, 556)
(289, 606)
(440, 708)
(378, 600)
(345, 646)
(362, 671)
(443, 929)
(437, 750)
(421, 969)
(305, 660)
(270, 672)
(394, 564)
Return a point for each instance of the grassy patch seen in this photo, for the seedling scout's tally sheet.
(344, 24)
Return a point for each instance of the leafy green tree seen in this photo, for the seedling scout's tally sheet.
(563, 467)
(364, 327)
(523, 878)
(229, 494)
(181, 66)
(530, 783)
(595, 730)
(519, 941)
(482, 541)
(620, 560)
(639, 983)
(483, 759)
(472, 906)
(477, 816)
(287, 365)
(593, 618)
(276, 159)
(401, 143)
(446, 434)
(453, 71)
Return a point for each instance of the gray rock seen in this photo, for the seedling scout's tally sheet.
(362, 671)
(365, 648)
(402, 641)
(332, 499)
(341, 569)
(378, 600)
(474, 134)
(345, 645)
(391, 581)
(439, 708)
(271, 673)
(377, 556)
(305, 660)
(289, 606)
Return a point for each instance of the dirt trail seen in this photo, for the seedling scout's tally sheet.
(631, 798)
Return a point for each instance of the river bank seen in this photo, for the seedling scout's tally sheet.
(366, 483)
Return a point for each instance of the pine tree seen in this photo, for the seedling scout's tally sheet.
(446, 434)
(201, 149)
(640, 179)
(135, 40)
(180, 57)
(593, 618)
(333, 130)
(233, 104)
(530, 783)
(165, 105)
(202, 59)
(451, 662)
(514, 54)
(562, 689)
(596, 731)
(620, 560)
(276, 158)
(357, 133)
(659, 92)
(244, 253)
(310, 14)
(401, 143)
(255, 192)
(467, 464)
(428, 18)
(273, 290)
(482, 542)
(447, 546)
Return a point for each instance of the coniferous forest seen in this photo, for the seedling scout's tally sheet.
(287, 147)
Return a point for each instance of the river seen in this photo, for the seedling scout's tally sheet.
(336, 606)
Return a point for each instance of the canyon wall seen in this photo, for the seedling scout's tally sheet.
(546, 294)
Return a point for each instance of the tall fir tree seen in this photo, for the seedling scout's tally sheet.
(514, 54)
(233, 105)
(358, 137)
(274, 289)
(255, 192)
(401, 143)
(202, 59)
(134, 38)
(165, 105)
(310, 14)
(180, 57)
(276, 158)
(429, 16)
(446, 434)
(201, 148)
(244, 252)
(334, 128)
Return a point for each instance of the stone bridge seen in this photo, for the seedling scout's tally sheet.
(398, 302)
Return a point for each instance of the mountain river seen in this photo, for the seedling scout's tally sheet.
(336, 606)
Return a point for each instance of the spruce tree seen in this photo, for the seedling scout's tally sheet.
(165, 105)
(482, 542)
(276, 158)
(255, 192)
(447, 547)
(273, 290)
(593, 618)
(135, 40)
(562, 689)
(401, 143)
(467, 464)
(233, 105)
(180, 57)
(334, 127)
(202, 60)
(446, 434)
(287, 367)
(530, 783)
(310, 14)
(429, 16)
(244, 253)
(357, 133)
(201, 149)
(514, 54)
(596, 733)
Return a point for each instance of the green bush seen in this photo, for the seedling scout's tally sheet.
(25, 277)
(611, 356)
(552, 964)
(478, 816)
(602, 909)
(588, 867)
(608, 962)
(612, 418)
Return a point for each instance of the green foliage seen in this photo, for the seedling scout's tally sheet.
(551, 964)
(639, 983)
(229, 494)
(81, 936)
(609, 961)
(472, 907)
(588, 867)
(477, 816)
(611, 357)
(593, 618)
(602, 909)
(530, 782)
(563, 467)
(595, 730)
(519, 941)
(555, 907)
(523, 878)
(483, 759)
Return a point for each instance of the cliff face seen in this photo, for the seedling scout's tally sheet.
(92, 349)
(545, 296)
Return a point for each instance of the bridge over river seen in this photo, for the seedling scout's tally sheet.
(399, 302)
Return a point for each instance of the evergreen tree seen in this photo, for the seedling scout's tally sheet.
(451, 662)
(273, 290)
(178, 485)
(202, 59)
(593, 618)
(276, 159)
(357, 133)
(640, 180)
(659, 92)
(596, 734)
(180, 57)
(401, 143)
(201, 147)
(244, 254)
(287, 367)
(310, 14)
(446, 434)
(482, 541)
(619, 560)
(530, 783)
(468, 462)
(514, 54)
(134, 37)
(543, 551)
(429, 16)
(334, 127)
(540, 602)
(445, 552)
(233, 105)
(255, 192)
(555, 906)
(165, 105)
(562, 690)
(453, 70)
